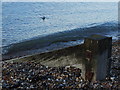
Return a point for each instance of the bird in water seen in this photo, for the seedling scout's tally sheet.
(43, 18)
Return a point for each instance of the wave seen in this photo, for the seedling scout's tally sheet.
(66, 36)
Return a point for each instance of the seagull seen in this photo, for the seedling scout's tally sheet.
(43, 18)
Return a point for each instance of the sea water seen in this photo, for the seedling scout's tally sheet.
(66, 23)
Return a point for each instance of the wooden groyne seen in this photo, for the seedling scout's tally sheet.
(92, 57)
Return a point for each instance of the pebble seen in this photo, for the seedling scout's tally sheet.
(32, 75)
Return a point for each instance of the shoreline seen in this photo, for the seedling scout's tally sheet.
(37, 44)
(35, 52)
(24, 55)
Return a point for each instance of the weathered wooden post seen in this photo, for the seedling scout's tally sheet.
(97, 53)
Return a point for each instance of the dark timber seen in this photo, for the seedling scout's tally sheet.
(92, 57)
(97, 53)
